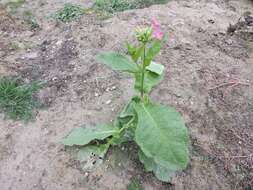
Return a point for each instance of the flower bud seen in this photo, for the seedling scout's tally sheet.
(144, 34)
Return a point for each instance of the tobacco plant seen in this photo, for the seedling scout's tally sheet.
(158, 130)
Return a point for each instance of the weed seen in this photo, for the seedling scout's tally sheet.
(30, 19)
(146, 3)
(69, 13)
(33, 23)
(19, 45)
(14, 5)
(16, 100)
(111, 6)
(14, 45)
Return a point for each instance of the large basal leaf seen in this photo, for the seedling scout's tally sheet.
(162, 173)
(117, 62)
(151, 79)
(91, 156)
(161, 134)
(82, 136)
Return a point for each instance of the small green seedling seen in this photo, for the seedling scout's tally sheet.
(158, 130)
(69, 13)
(16, 100)
(31, 20)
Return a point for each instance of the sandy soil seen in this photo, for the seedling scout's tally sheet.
(209, 78)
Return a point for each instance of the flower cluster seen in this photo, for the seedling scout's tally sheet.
(145, 35)
(157, 32)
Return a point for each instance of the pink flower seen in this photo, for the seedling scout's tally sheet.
(155, 24)
(158, 35)
(157, 32)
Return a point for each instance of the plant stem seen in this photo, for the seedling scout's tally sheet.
(128, 125)
(143, 71)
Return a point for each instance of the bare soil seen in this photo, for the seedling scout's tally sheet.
(209, 78)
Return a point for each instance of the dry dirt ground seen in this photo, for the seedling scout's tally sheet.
(209, 79)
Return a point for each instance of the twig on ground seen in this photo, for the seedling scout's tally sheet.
(230, 84)
(239, 156)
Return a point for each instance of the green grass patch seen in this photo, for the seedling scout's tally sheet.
(146, 3)
(13, 5)
(111, 6)
(69, 13)
(17, 100)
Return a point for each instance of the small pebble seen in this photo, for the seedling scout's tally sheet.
(54, 78)
(108, 102)
(229, 42)
(211, 21)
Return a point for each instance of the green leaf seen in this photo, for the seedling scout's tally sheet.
(130, 48)
(167, 135)
(139, 53)
(128, 113)
(149, 164)
(91, 156)
(118, 62)
(162, 173)
(135, 52)
(127, 119)
(153, 51)
(82, 136)
(151, 79)
(155, 68)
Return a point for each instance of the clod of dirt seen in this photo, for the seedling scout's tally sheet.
(7, 23)
(244, 26)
